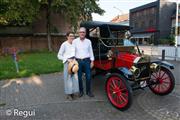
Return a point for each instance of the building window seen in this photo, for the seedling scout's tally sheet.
(138, 14)
(143, 24)
(152, 10)
(144, 13)
(136, 25)
(151, 23)
(173, 31)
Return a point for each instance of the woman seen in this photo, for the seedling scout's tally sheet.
(67, 54)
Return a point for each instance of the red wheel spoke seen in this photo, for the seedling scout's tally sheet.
(154, 76)
(159, 73)
(163, 85)
(125, 95)
(114, 84)
(123, 89)
(113, 96)
(124, 99)
(120, 90)
(120, 99)
(120, 84)
(111, 86)
(154, 80)
(166, 82)
(164, 78)
(162, 75)
(154, 86)
(116, 98)
(112, 90)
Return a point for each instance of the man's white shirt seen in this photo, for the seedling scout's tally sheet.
(83, 49)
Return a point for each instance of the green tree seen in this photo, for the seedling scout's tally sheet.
(77, 10)
(18, 12)
(24, 12)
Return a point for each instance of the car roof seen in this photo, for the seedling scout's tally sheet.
(112, 26)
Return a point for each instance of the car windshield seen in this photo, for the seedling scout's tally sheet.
(127, 42)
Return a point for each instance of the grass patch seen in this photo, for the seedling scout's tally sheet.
(30, 64)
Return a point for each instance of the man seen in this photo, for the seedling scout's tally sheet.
(85, 57)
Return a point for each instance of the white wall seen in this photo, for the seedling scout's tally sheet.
(157, 51)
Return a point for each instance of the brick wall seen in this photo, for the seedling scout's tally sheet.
(30, 43)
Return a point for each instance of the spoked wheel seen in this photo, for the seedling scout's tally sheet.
(162, 82)
(118, 92)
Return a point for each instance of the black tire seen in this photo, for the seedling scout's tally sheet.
(161, 84)
(117, 86)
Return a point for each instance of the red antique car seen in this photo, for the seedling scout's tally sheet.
(126, 68)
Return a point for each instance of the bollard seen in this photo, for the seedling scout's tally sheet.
(14, 52)
(163, 55)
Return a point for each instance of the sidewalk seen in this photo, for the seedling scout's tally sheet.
(176, 71)
(44, 97)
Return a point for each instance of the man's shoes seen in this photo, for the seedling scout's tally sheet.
(81, 94)
(90, 94)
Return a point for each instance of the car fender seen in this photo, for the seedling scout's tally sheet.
(165, 64)
(124, 71)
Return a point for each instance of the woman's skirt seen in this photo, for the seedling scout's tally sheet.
(71, 83)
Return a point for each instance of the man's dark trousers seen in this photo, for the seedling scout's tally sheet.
(84, 66)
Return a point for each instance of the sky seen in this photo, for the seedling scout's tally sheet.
(117, 7)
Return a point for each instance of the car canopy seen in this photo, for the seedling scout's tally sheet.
(104, 25)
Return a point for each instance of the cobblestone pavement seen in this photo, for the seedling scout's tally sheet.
(42, 98)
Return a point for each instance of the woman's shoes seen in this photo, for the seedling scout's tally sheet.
(70, 97)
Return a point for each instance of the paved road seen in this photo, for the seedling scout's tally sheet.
(42, 98)
(176, 71)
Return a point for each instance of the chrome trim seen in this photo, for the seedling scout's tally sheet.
(136, 71)
(136, 60)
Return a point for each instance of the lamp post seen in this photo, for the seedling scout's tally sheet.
(176, 27)
(176, 37)
(118, 10)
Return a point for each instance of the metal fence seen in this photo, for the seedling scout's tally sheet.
(156, 51)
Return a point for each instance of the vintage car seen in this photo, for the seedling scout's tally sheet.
(126, 68)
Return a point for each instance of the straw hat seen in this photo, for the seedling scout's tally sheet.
(73, 67)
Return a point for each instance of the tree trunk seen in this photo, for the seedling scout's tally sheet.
(49, 25)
